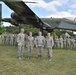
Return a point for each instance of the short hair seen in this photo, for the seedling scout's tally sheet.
(30, 32)
(40, 32)
(22, 29)
(48, 33)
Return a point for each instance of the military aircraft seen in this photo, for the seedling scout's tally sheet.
(24, 15)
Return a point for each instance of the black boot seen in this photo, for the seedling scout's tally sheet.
(49, 57)
(40, 56)
(29, 57)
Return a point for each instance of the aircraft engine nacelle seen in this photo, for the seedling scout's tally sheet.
(14, 22)
(14, 16)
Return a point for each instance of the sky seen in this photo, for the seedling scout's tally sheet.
(46, 8)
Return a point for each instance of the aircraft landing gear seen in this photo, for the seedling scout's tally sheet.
(42, 30)
(20, 28)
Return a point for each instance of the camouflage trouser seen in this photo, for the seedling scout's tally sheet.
(11, 42)
(67, 45)
(29, 51)
(64, 45)
(75, 45)
(49, 52)
(40, 50)
(56, 45)
(61, 45)
(7, 42)
(72, 45)
(20, 50)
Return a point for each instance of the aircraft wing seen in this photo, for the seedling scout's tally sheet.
(26, 14)
(29, 17)
(61, 23)
(67, 24)
(10, 21)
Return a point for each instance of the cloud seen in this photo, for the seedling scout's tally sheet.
(6, 24)
(62, 14)
(63, 1)
(50, 6)
(73, 6)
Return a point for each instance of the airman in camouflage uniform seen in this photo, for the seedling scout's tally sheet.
(30, 44)
(61, 42)
(40, 41)
(64, 42)
(49, 43)
(2, 38)
(21, 43)
(11, 39)
(56, 42)
(68, 42)
(72, 43)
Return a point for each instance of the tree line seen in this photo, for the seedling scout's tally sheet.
(30, 28)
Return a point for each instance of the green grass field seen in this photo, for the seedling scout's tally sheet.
(63, 63)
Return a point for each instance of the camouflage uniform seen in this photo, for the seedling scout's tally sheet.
(49, 44)
(72, 43)
(2, 38)
(11, 39)
(15, 40)
(68, 42)
(21, 43)
(61, 42)
(56, 42)
(64, 42)
(40, 41)
(29, 45)
(7, 39)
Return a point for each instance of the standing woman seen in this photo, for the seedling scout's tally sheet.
(49, 44)
(29, 44)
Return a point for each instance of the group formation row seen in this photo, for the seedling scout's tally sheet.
(21, 40)
(59, 42)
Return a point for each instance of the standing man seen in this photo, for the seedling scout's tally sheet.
(56, 42)
(64, 42)
(68, 42)
(7, 39)
(61, 42)
(49, 43)
(11, 39)
(15, 40)
(21, 43)
(30, 44)
(40, 41)
(2, 39)
(72, 43)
